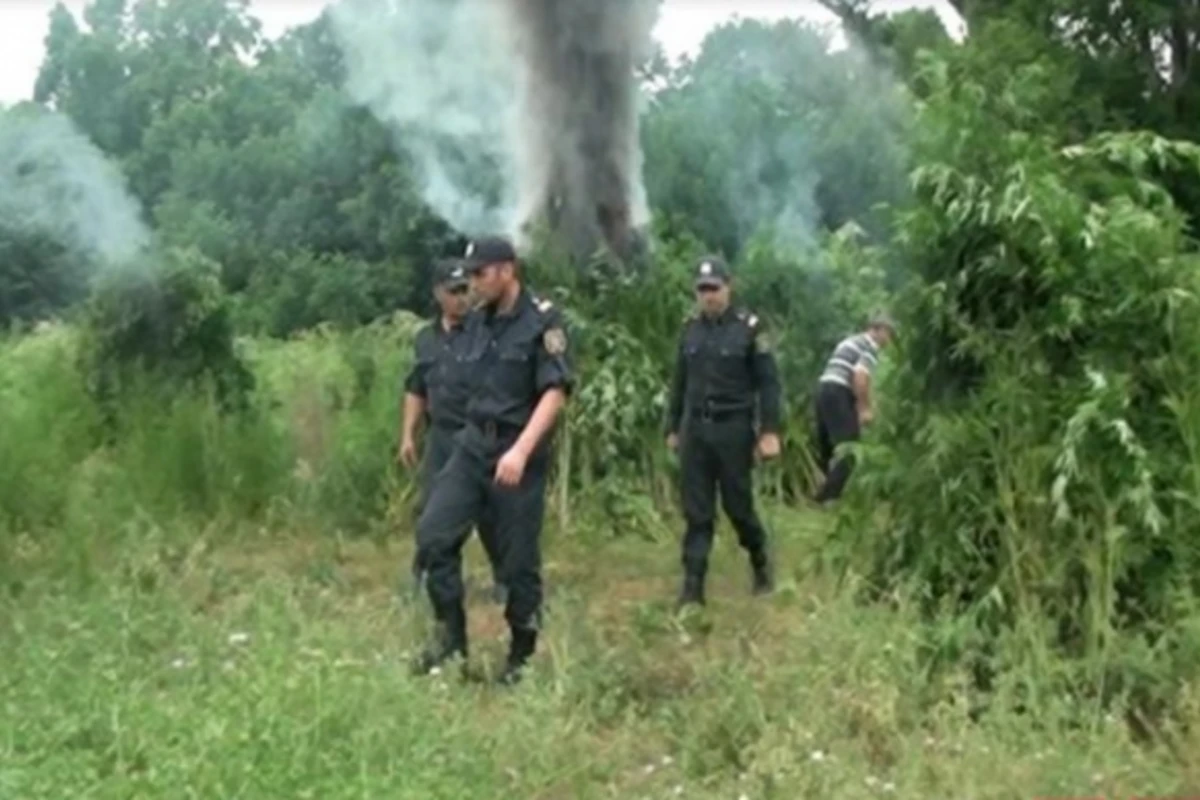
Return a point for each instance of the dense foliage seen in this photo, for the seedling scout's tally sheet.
(1036, 460)
(1027, 201)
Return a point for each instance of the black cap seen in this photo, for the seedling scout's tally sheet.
(712, 271)
(449, 272)
(488, 250)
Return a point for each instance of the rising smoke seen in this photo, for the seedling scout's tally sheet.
(432, 71)
(55, 183)
(541, 92)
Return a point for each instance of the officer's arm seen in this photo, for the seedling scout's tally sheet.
(678, 383)
(554, 380)
(542, 420)
(766, 380)
(414, 411)
(415, 387)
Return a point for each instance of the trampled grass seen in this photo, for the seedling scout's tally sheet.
(276, 666)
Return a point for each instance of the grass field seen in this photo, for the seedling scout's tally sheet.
(278, 668)
(215, 607)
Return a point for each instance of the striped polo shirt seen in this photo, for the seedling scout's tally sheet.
(850, 352)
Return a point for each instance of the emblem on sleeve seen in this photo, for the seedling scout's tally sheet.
(556, 341)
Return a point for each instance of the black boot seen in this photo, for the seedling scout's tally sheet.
(521, 648)
(692, 591)
(760, 565)
(451, 641)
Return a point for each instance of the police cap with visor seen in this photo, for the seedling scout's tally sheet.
(486, 251)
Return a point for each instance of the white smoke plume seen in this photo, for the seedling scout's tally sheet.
(434, 71)
(55, 182)
(542, 91)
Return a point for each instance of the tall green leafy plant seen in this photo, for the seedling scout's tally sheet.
(1033, 470)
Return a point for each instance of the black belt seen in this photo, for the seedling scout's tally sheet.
(492, 429)
(719, 415)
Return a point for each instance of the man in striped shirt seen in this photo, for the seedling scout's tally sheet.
(844, 400)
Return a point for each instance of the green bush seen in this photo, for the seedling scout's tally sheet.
(39, 276)
(167, 322)
(298, 291)
(1034, 469)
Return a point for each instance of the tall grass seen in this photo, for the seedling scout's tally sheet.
(112, 510)
(312, 450)
(47, 427)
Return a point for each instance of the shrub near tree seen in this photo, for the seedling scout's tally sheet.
(165, 319)
(1034, 472)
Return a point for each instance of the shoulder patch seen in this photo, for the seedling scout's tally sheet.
(555, 340)
(544, 305)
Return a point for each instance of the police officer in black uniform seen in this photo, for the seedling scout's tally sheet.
(724, 374)
(436, 389)
(516, 348)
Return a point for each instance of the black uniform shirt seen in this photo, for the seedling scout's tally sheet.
(515, 357)
(722, 366)
(440, 374)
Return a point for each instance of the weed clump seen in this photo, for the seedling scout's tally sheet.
(167, 324)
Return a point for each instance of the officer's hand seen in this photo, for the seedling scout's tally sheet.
(510, 468)
(673, 441)
(408, 452)
(768, 445)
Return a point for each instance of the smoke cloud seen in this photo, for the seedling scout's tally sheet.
(539, 94)
(579, 99)
(55, 182)
(804, 137)
(433, 71)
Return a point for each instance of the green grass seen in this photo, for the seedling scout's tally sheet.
(212, 606)
(276, 666)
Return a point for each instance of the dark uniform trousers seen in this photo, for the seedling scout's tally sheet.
(837, 422)
(439, 445)
(718, 451)
(724, 371)
(515, 357)
(464, 492)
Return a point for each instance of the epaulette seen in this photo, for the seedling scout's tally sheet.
(751, 320)
(543, 305)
